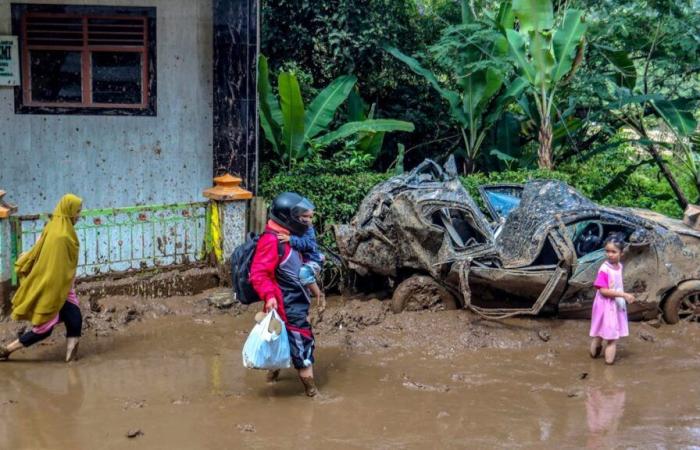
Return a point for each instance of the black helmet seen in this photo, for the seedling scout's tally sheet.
(286, 209)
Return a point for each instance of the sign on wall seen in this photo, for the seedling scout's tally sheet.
(9, 61)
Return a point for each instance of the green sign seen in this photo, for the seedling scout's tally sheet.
(9, 61)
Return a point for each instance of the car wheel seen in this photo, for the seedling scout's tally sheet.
(421, 292)
(684, 303)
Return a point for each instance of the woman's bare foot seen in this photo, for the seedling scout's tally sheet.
(72, 349)
(4, 353)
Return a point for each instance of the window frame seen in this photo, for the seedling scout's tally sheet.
(24, 104)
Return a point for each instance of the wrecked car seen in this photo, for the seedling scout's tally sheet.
(535, 250)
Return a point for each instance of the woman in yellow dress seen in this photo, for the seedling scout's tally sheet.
(45, 295)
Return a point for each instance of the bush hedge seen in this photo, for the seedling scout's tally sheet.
(336, 197)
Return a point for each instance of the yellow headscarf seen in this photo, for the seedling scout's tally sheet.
(46, 272)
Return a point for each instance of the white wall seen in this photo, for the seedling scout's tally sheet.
(114, 161)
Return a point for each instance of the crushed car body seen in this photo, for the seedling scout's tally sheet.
(536, 250)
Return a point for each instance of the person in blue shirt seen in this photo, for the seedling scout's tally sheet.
(313, 261)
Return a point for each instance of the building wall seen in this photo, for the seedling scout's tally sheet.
(114, 161)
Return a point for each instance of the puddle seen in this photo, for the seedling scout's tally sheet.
(437, 379)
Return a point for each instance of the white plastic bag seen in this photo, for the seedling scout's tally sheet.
(621, 304)
(265, 349)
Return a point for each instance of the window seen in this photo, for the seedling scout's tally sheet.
(86, 59)
(458, 225)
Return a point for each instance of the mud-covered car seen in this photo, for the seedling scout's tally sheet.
(536, 250)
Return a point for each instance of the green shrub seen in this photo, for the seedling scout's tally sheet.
(336, 197)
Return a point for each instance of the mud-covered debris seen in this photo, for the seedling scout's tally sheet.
(646, 335)
(356, 315)
(583, 375)
(134, 433)
(203, 321)
(131, 315)
(246, 427)
(545, 335)
(221, 299)
(9, 402)
(416, 386)
(654, 323)
(133, 404)
(94, 303)
(181, 401)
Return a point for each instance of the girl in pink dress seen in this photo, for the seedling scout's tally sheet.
(609, 317)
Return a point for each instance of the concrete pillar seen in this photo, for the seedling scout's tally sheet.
(230, 211)
(5, 255)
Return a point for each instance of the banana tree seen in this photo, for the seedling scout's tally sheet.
(295, 131)
(546, 57)
(471, 75)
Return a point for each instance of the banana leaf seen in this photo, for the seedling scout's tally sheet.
(567, 40)
(453, 98)
(371, 143)
(323, 107)
(292, 115)
(366, 126)
(270, 113)
(626, 72)
(542, 57)
(534, 14)
(356, 107)
(518, 50)
(505, 18)
(678, 114)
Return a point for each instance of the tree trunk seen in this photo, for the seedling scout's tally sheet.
(680, 196)
(544, 154)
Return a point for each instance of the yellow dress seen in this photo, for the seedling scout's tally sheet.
(46, 272)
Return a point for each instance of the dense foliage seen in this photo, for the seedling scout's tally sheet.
(609, 88)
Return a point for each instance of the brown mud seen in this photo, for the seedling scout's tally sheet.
(167, 374)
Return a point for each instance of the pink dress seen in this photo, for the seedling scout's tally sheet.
(609, 316)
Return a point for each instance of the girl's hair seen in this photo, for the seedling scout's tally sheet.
(616, 239)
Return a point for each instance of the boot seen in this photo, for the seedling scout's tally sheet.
(272, 375)
(72, 349)
(309, 386)
(4, 353)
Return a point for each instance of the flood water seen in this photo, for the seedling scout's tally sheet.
(180, 381)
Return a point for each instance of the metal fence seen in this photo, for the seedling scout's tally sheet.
(123, 239)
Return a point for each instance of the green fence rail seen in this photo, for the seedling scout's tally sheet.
(124, 239)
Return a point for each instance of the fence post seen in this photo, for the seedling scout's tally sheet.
(229, 214)
(6, 211)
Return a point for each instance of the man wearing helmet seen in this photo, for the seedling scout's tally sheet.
(276, 280)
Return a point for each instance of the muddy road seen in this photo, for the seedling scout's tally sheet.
(169, 374)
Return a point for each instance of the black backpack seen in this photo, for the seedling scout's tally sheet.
(241, 260)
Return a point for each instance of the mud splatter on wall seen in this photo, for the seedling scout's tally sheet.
(114, 161)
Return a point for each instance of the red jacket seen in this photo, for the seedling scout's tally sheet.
(265, 261)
